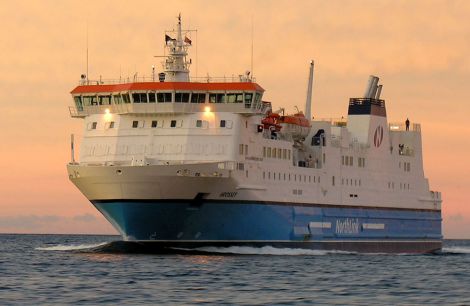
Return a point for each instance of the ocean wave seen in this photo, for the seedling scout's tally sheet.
(72, 247)
(266, 250)
(456, 250)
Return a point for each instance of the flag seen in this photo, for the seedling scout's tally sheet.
(167, 38)
(187, 40)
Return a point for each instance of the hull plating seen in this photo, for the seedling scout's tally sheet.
(187, 224)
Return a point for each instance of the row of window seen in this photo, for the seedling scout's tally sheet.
(349, 161)
(243, 149)
(276, 153)
(403, 186)
(406, 166)
(160, 124)
(350, 182)
(249, 99)
(277, 176)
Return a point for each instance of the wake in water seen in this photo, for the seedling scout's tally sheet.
(456, 250)
(266, 250)
(72, 247)
(133, 247)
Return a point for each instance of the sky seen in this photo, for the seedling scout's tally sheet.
(419, 49)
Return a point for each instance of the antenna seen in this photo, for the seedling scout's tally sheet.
(252, 30)
(87, 52)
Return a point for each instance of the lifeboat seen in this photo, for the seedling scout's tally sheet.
(295, 125)
(271, 122)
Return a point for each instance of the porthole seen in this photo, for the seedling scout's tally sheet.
(118, 171)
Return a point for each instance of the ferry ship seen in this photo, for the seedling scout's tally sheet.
(176, 162)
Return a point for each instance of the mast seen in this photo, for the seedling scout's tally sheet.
(308, 103)
(176, 66)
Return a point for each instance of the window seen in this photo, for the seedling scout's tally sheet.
(217, 98)
(78, 103)
(248, 99)
(126, 98)
(333, 180)
(222, 123)
(163, 97)
(89, 100)
(269, 152)
(182, 97)
(240, 149)
(264, 151)
(93, 125)
(104, 100)
(257, 100)
(111, 125)
(173, 123)
(154, 123)
(152, 97)
(279, 153)
(199, 123)
(139, 97)
(246, 149)
(135, 124)
(284, 153)
(273, 152)
(198, 98)
(117, 99)
(231, 98)
(350, 160)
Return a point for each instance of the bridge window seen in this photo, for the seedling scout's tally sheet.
(117, 99)
(164, 97)
(154, 123)
(90, 100)
(248, 100)
(93, 125)
(126, 98)
(139, 97)
(234, 98)
(222, 123)
(217, 98)
(198, 98)
(182, 97)
(199, 123)
(135, 124)
(104, 100)
(111, 125)
(257, 100)
(78, 103)
(173, 123)
(152, 97)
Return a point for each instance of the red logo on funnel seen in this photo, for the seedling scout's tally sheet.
(378, 136)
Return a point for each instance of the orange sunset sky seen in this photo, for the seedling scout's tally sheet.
(419, 49)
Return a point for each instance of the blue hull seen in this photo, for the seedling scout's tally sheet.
(179, 223)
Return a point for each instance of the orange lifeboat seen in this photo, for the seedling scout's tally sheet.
(271, 122)
(295, 125)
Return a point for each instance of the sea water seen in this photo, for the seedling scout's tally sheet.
(81, 269)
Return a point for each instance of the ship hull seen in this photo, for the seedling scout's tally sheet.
(154, 225)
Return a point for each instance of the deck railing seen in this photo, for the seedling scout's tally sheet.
(150, 79)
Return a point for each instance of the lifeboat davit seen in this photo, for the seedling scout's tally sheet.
(295, 125)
